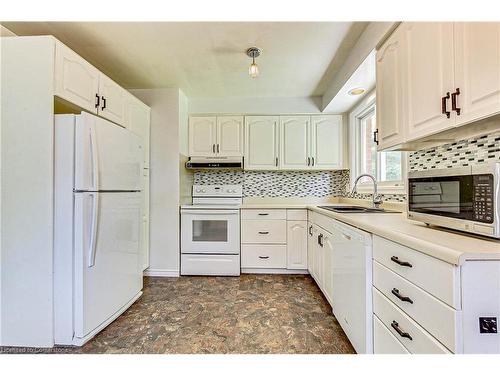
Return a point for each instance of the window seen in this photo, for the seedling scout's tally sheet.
(388, 167)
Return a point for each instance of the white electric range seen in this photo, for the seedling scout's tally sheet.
(210, 231)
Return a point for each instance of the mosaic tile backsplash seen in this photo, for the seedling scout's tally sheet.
(482, 149)
(280, 183)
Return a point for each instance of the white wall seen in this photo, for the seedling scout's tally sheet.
(256, 105)
(26, 247)
(165, 149)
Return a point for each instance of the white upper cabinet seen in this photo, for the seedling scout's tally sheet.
(390, 64)
(450, 77)
(429, 76)
(261, 142)
(137, 120)
(294, 145)
(477, 70)
(202, 136)
(76, 81)
(229, 136)
(112, 100)
(326, 142)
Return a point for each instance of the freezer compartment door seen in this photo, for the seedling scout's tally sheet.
(108, 264)
(107, 156)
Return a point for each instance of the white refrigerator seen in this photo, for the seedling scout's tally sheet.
(97, 225)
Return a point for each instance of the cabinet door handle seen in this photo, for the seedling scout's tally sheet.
(395, 259)
(263, 257)
(310, 230)
(97, 100)
(400, 332)
(103, 103)
(308, 161)
(402, 298)
(312, 161)
(320, 240)
(444, 111)
(263, 232)
(375, 137)
(217, 148)
(276, 161)
(213, 148)
(454, 101)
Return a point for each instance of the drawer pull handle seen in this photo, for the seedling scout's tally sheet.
(401, 333)
(400, 262)
(263, 232)
(263, 257)
(263, 214)
(402, 298)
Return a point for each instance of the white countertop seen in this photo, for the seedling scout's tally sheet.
(447, 245)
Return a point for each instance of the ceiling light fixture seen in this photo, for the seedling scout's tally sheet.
(356, 91)
(253, 70)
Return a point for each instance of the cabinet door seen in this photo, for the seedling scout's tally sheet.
(137, 120)
(261, 142)
(202, 136)
(294, 148)
(75, 79)
(145, 221)
(326, 266)
(296, 245)
(311, 238)
(326, 142)
(113, 98)
(429, 76)
(230, 136)
(390, 119)
(477, 70)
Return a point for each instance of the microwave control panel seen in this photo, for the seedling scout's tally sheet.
(483, 198)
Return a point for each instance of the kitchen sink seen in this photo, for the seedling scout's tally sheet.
(354, 209)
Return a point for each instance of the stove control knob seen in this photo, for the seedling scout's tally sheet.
(198, 190)
(203, 191)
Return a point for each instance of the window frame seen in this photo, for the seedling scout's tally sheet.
(384, 187)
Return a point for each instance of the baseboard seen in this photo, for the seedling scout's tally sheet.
(157, 272)
(274, 271)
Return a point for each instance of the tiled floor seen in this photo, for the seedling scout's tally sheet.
(249, 314)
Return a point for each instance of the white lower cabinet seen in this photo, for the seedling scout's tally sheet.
(296, 246)
(263, 256)
(384, 342)
(274, 240)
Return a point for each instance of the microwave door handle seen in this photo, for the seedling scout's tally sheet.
(95, 159)
(93, 229)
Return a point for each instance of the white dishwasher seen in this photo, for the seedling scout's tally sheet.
(352, 285)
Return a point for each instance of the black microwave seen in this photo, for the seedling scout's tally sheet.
(464, 198)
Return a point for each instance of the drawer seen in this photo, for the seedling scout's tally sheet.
(255, 214)
(263, 256)
(297, 215)
(384, 342)
(419, 340)
(439, 278)
(439, 319)
(265, 231)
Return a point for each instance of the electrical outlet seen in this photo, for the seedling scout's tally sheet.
(487, 325)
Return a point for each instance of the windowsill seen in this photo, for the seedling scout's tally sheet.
(382, 189)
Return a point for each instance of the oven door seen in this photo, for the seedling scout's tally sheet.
(210, 231)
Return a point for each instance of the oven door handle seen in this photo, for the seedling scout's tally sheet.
(210, 212)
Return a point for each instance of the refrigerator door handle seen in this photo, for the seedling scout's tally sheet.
(95, 159)
(93, 229)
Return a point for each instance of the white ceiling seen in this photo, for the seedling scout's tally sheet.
(363, 77)
(207, 59)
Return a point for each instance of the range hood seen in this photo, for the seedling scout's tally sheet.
(215, 163)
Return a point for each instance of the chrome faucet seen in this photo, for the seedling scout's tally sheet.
(377, 199)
